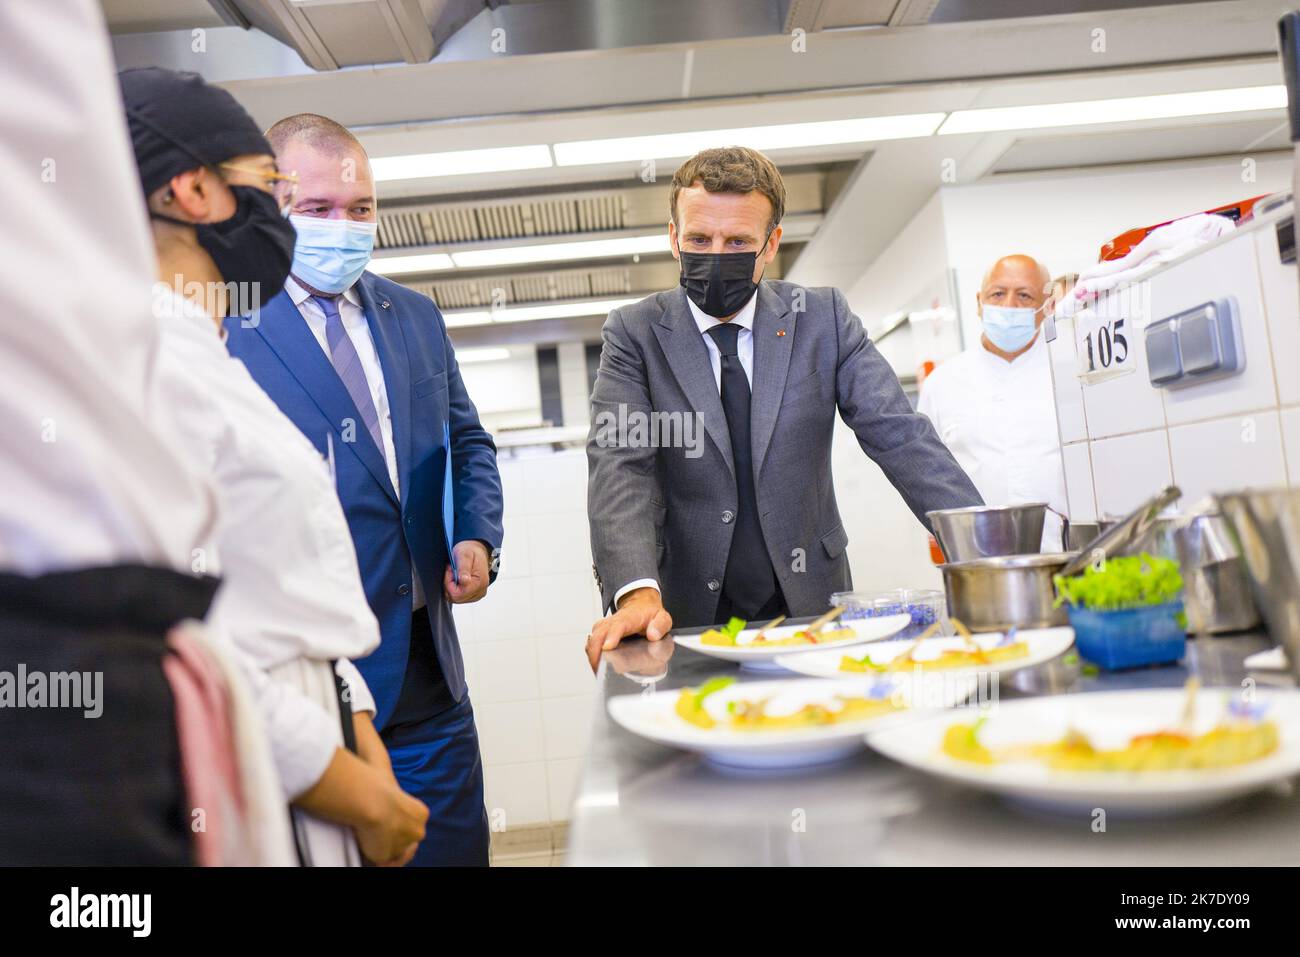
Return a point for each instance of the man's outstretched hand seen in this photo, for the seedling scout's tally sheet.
(640, 612)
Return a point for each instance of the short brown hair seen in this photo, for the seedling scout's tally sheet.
(319, 132)
(731, 169)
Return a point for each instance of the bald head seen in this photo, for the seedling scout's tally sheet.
(1020, 268)
(334, 178)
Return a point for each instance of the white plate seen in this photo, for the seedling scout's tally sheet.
(764, 659)
(654, 716)
(1272, 660)
(1109, 719)
(1044, 645)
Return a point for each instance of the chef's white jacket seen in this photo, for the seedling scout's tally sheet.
(87, 478)
(291, 585)
(999, 420)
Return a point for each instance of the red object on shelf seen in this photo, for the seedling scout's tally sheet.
(1123, 244)
(936, 553)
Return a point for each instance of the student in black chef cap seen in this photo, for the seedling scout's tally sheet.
(292, 602)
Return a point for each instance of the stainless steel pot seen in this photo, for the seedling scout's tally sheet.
(994, 594)
(987, 531)
(1216, 588)
(1266, 530)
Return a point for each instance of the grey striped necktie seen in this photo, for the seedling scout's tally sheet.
(346, 362)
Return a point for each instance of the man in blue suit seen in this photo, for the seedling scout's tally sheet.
(364, 368)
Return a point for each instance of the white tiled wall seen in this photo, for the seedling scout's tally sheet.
(1240, 432)
(524, 643)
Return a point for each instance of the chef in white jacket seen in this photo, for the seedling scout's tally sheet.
(101, 511)
(291, 598)
(993, 404)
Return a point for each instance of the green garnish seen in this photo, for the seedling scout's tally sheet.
(1134, 582)
(710, 686)
(733, 627)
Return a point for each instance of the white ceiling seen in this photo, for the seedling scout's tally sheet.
(468, 98)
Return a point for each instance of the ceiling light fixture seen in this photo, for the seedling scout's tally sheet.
(1117, 110)
(766, 138)
(532, 313)
(461, 162)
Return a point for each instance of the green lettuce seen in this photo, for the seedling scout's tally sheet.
(1119, 583)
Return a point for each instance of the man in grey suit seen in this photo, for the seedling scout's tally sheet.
(709, 485)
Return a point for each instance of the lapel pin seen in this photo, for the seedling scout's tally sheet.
(780, 332)
(384, 304)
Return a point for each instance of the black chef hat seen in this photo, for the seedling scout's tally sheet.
(179, 121)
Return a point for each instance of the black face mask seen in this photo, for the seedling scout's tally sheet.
(253, 248)
(719, 283)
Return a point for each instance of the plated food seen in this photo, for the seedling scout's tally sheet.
(994, 652)
(757, 713)
(775, 724)
(1128, 752)
(727, 636)
(758, 647)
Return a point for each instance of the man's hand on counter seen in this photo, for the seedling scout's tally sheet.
(640, 612)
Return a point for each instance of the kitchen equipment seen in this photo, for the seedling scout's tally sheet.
(987, 531)
(1216, 588)
(1129, 637)
(1120, 536)
(924, 606)
(994, 594)
(1266, 526)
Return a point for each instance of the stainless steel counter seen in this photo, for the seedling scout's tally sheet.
(640, 803)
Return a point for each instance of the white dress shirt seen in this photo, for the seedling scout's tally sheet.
(291, 586)
(353, 316)
(999, 420)
(88, 479)
(744, 351)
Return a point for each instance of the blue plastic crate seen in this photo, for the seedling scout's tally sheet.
(1130, 637)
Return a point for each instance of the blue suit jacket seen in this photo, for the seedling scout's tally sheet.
(426, 398)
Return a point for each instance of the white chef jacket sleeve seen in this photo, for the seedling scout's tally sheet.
(359, 692)
(303, 737)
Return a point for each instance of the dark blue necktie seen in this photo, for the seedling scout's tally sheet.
(346, 362)
(749, 582)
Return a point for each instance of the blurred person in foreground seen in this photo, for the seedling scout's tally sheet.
(993, 403)
(292, 600)
(363, 365)
(100, 512)
(745, 523)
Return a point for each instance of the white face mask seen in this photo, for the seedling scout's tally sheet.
(331, 254)
(1009, 328)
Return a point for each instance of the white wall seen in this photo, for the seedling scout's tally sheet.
(523, 643)
(1063, 218)
(507, 392)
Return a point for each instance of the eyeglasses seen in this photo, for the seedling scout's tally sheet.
(283, 186)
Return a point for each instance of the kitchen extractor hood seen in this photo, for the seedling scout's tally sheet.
(329, 34)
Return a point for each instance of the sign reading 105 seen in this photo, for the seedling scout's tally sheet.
(1105, 345)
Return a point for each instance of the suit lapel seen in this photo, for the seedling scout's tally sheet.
(390, 343)
(286, 332)
(771, 363)
(688, 357)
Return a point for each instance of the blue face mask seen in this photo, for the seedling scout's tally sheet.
(331, 254)
(1009, 329)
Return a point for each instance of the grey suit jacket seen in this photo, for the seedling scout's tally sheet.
(661, 488)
